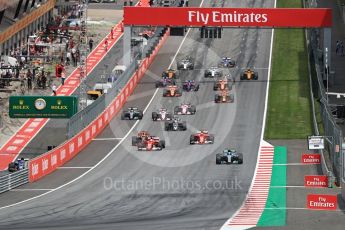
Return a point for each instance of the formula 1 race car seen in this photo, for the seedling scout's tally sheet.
(224, 97)
(229, 156)
(190, 85)
(249, 74)
(175, 125)
(185, 109)
(172, 91)
(226, 62)
(213, 72)
(165, 82)
(140, 137)
(170, 73)
(222, 84)
(186, 63)
(202, 137)
(152, 143)
(132, 113)
(146, 142)
(162, 115)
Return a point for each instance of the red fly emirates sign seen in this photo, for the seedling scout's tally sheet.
(322, 202)
(315, 181)
(244, 17)
(310, 158)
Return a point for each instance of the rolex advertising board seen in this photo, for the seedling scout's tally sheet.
(43, 106)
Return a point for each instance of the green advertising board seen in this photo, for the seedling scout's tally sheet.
(43, 106)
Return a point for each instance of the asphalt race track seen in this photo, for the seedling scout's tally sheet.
(180, 187)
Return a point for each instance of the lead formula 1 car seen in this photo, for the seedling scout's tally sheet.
(202, 137)
(249, 74)
(229, 156)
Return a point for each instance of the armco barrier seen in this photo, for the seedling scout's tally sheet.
(48, 162)
(13, 180)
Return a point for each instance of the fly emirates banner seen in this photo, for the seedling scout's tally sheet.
(227, 17)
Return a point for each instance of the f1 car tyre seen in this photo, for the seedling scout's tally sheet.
(154, 116)
(162, 144)
(135, 141)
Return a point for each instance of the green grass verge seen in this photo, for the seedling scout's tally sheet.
(289, 110)
(275, 209)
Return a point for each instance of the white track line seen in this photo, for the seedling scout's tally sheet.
(108, 139)
(289, 186)
(30, 189)
(111, 151)
(268, 81)
(75, 167)
(290, 164)
(292, 208)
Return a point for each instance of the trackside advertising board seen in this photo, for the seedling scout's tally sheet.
(313, 158)
(43, 106)
(316, 181)
(231, 17)
(322, 202)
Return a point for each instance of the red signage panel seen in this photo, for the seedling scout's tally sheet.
(310, 158)
(322, 202)
(244, 17)
(315, 181)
